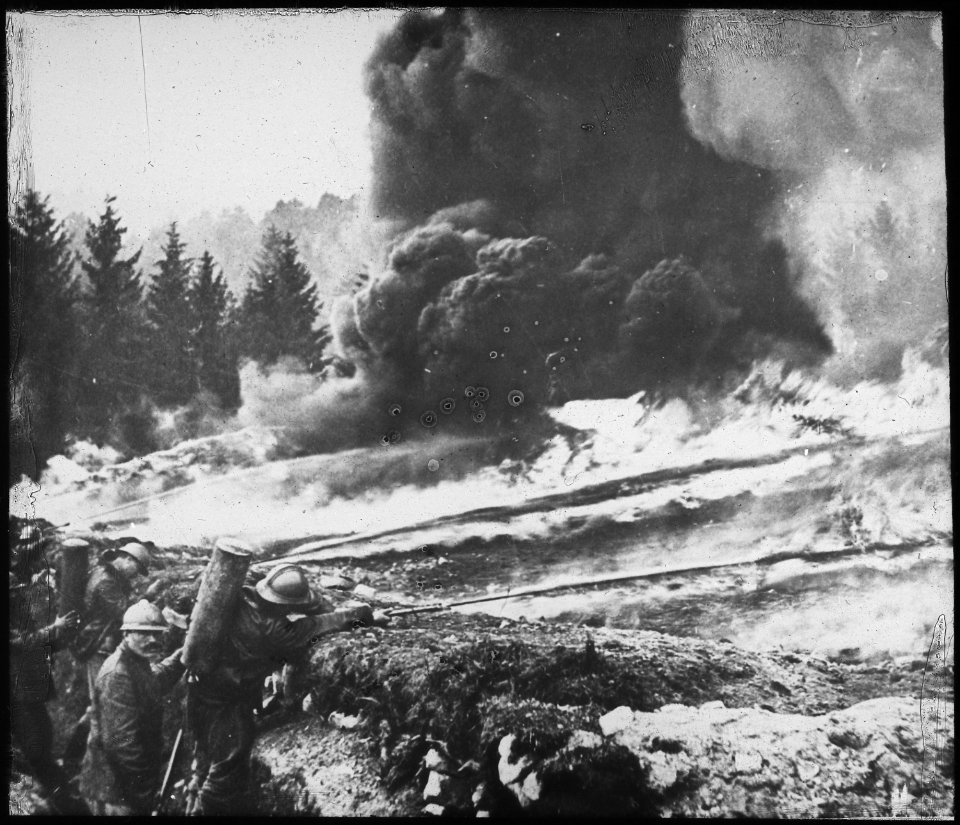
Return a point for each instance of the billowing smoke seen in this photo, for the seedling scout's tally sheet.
(851, 119)
(567, 125)
(589, 204)
(321, 416)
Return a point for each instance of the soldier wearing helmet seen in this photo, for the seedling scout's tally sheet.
(110, 590)
(122, 766)
(276, 624)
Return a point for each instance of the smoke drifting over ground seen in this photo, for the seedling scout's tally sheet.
(593, 203)
(322, 416)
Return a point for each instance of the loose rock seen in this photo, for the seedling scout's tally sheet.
(436, 785)
(508, 770)
(807, 770)
(364, 591)
(747, 762)
(530, 789)
(435, 761)
(340, 720)
(616, 720)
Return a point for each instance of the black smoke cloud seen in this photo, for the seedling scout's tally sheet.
(508, 107)
(587, 203)
(539, 220)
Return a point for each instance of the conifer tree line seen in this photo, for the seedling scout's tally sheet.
(100, 341)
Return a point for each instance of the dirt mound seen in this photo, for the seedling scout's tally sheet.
(435, 702)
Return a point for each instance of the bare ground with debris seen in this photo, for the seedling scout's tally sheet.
(415, 718)
(310, 767)
(778, 733)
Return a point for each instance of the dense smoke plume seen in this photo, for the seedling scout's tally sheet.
(851, 119)
(592, 203)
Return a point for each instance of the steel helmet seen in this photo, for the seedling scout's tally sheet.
(139, 554)
(143, 616)
(287, 584)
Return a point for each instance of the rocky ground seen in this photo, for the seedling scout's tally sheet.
(468, 715)
(310, 766)
(444, 713)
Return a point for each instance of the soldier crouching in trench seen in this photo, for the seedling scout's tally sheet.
(121, 768)
(274, 628)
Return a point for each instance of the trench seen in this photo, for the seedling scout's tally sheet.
(823, 619)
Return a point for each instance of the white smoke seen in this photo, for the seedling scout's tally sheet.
(851, 118)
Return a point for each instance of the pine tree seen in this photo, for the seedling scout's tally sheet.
(171, 319)
(114, 355)
(43, 335)
(280, 307)
(214, 344)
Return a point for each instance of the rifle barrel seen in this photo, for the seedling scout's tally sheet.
(166, 776)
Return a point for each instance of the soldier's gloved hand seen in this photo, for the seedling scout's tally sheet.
(176, 657)
(363, 613)
(367, 616)
(154, 590)
(68, 621)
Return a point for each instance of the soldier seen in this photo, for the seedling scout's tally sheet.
(122, 767)
(35, 635)
(272, 629)
(110, 591)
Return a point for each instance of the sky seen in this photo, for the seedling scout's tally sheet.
(203, 112)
